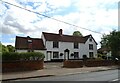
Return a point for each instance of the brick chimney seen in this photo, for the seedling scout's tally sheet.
(60, 32)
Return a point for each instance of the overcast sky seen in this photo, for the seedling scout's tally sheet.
(96, 15)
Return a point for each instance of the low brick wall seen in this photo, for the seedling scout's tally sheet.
(117, 63)
(73, 63)
(96, 63)
(22, 65)
(88, 63)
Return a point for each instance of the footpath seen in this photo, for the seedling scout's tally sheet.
(51, 72)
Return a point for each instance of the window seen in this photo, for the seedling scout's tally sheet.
(29, 41)
(90, 46)
(91, 55)
(76, 45)
(90, 39)
(76, 55)
(55, 54)
(55, 44)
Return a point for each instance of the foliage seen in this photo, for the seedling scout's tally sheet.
(11, 48)
(12, 56)
(84, 57)
(0, 47)
(77, 33)
(112, 41)
(4, 48)
(99, 56)
(8, 48)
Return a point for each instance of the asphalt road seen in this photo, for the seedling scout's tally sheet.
(109, 75)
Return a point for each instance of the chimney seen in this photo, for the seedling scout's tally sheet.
(60, 32)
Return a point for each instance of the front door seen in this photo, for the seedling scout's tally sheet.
(48, 57)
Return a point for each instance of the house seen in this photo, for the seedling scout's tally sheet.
(27, 44)
(59, 46)
(104, 50)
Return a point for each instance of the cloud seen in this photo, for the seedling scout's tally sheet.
(96, 15)
(60, 3)
(13, 44)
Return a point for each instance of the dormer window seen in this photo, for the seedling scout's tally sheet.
(29, 41)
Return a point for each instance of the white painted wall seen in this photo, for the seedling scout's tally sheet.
(94, 47)
(83, 48)
(44, 40)
(21, 51)
(63, 46)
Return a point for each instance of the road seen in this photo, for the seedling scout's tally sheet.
(109, 75)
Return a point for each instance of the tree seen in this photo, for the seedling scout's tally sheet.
(112, 41)
(0, 47)
(77, 33)
(10, 48)
(4, 48)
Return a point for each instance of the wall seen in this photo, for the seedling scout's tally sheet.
(87, 47)
(83, 48)
(89, 63)
(22, 65)
(43, 38)
(73, 63)
(66, 45)
(21, 50)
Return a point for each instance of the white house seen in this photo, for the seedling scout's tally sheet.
(60, 46)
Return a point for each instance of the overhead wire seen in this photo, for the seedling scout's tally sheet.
(50, 17)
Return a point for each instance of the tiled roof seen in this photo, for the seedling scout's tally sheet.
(102, 49)
(22, 43)
(65, 38)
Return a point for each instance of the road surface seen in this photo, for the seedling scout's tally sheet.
(109, 75)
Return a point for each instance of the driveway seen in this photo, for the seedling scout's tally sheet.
(53, 65)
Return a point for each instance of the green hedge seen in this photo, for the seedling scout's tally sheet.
(12, 56)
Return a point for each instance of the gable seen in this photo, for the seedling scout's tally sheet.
(90, 37)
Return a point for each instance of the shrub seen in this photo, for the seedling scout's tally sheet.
(84, 57)
(12, 56)
(100, 56)
(35, 55)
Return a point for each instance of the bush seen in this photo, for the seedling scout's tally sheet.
(85, 57)
(101, 57)
(12, 56)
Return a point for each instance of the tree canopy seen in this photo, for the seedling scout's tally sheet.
(77, 33)
(11, 48)
(8, 48)
(112, 41)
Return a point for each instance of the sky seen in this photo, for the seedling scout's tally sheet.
(97, 15)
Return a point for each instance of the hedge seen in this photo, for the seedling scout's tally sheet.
(12, 56)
